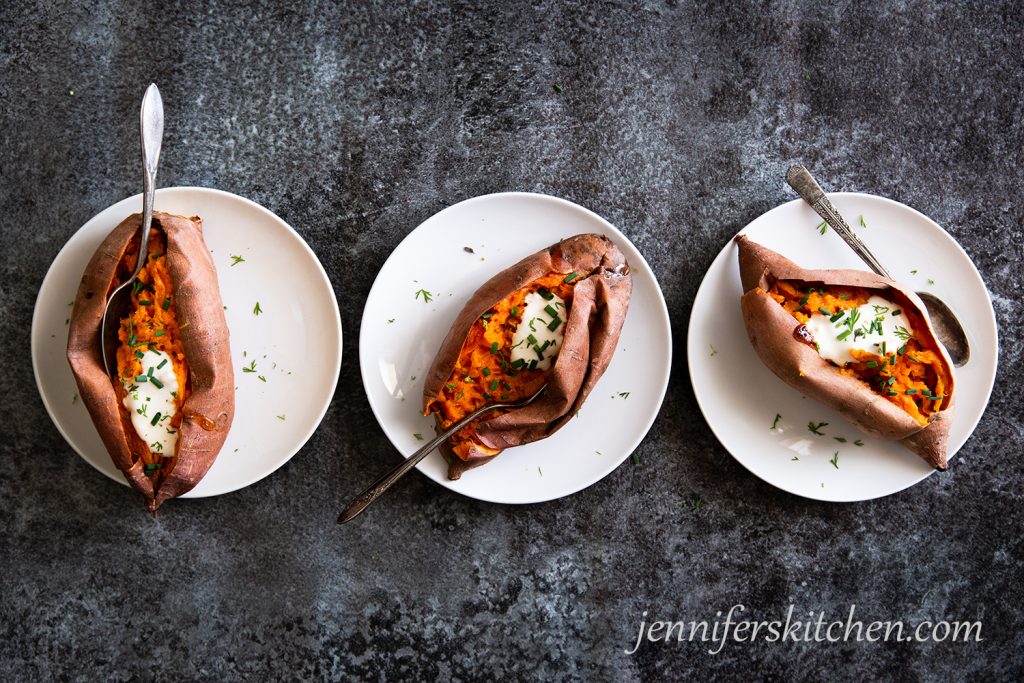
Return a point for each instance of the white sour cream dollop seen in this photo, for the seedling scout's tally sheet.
(147, 399)
(877, 327)
(539, 335)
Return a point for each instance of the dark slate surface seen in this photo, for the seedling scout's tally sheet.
(356, 123)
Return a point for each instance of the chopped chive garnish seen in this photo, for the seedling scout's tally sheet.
(157, 383)
(550, 310)
(494, 347)
(518, 363)
(844, 335)
(890, 392)
(145, 302)
(824, 311)
(804, 300)
(910, 392)
(571, 276)
(506, 386)
(514, 312)
(531, 340)
(545, 345)
(139, 354)
(889, 381)
(162, 363)
(166, 304)
(896, 312)
(486, 371)
(545, 294)
(836, 317)
(142, 378)
(533, 365)
(844, 297)
(159, 333)
(871, 364)
(553, 325)
(150, 372)
(487, 316)
(486, 395)
(540, 355)
(493, 385)
(156, 418)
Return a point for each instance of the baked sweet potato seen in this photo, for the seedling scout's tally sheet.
(859, 343)
(554, 317)
(166, 416)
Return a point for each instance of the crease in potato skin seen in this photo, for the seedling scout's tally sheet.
(477, 370)
(147, 316)
(914, 367)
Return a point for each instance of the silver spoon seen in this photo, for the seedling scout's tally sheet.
(151, 119)
(947, 328)
(384, 483)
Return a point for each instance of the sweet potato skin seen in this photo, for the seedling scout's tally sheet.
(600, 300)
(204, 335)
(770, 329)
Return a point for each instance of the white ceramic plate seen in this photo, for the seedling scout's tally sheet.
(740, 397)
(295, 343)
(401, 333)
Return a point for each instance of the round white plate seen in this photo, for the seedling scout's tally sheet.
(740, 397)
(295, 342)
(401, 333)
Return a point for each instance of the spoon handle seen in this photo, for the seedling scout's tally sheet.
(384, 483)
(151, 125)
(801, 180)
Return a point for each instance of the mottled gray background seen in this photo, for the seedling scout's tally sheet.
(354, 123)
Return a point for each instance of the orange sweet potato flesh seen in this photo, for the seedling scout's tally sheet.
(181, 297)
(474, 358)
(773, 288)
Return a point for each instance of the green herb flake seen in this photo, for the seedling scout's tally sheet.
(858, 443)
(261, 378)
(823, 227)
(427, 296)
(835, 460)
(494, 348)
(775, 422)
(235, 260)
(570, 277)
(419, 437)
(256, 310)
(815, 428)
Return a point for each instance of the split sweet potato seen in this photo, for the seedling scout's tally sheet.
(588, 284)
(902, 392)
(176, 323)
